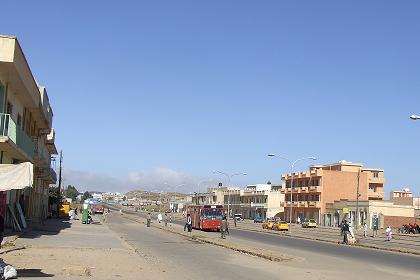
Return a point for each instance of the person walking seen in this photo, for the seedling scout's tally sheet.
(159, 217)
(234, 221)
(166, 219)
(170, 219)
(224, 227)
(388, 233)
(346, 231)
(365, 228)
(1, 229)
(148, 219)
(188, 224)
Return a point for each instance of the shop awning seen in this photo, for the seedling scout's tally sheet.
(16, 176)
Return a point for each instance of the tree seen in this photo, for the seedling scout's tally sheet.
(53, 195)
(86, 195)
(71, 192)
(124, 198)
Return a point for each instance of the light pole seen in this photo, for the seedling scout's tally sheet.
(292, 165)
(229, 176)
(198, 190)
(415, 117)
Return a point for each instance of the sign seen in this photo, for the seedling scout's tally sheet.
(345, 210)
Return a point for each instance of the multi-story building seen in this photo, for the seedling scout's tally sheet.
(403, 197)
(323, 184)
(26, 134)
(261, 200)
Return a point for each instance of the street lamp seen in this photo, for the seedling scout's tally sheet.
(292, 165)
(415, 117)
(229, 176)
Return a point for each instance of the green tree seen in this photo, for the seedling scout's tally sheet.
(71, 192)
(53, 195)
(86, 195)
(124, 198)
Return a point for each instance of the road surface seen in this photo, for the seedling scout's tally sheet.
(178, 257)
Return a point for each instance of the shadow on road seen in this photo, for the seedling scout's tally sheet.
(29, 273)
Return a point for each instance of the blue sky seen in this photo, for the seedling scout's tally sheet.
(151, 91)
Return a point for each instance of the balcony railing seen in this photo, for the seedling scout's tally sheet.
(259, 205)
(42, 155)
(8, 128)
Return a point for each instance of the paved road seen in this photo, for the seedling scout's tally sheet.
(314, 260)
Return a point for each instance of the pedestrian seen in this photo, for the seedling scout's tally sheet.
(148, 218)
(166, 219)
(346, 231)
(170, 219)
(298, 220)
(365, 228)
(159, 217)
(1, 229)
(375, 228)
(188, 224)
(224, 227)
(388, 233)
(234, 221)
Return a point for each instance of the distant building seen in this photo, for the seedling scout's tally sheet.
(323, 184)
(403, 197)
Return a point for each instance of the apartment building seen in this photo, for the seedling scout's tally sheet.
(323, 184)
(26, 137)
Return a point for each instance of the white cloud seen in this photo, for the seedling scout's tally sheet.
(159, 179)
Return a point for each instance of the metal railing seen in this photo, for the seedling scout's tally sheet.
(9, 128)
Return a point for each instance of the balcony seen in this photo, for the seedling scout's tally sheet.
(51, 142)
(259, 205)
(314, 188)
(46, 173)
(15, 140)
(42, 155)
(314, 204)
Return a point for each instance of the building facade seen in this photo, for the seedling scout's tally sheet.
(384, 213)
(322, 184)
(26, 133)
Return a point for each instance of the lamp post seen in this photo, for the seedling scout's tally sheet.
(198, 190)
(229, 176)
(292, 165)
(415, 117)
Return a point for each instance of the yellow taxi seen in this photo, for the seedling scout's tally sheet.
(281, 225)
(268, 224)
(311, 223)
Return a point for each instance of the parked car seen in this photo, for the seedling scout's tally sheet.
(259, 219)
(311, 223)
(268, 224)
(281, 225)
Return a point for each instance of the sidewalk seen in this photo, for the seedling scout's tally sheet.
(72, 250)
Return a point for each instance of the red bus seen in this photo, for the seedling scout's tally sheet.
(206, 217)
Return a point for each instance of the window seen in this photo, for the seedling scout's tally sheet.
(372, 188)
(19, 120)
(9, 109)
(375, 174)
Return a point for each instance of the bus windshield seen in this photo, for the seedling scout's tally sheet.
(213, 214)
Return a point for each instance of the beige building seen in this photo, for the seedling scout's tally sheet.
(323, 184)
(385, 213)
(403, 197)
(26, 133)
(255, 200)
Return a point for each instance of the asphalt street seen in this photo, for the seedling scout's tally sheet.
(178, 255)
(299, 246)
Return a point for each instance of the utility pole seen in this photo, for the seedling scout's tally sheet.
(357, 199)
(59, 183)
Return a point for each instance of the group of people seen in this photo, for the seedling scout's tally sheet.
(349, 237)
(410, 229)
(166, 220)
